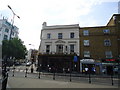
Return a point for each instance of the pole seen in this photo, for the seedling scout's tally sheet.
(89, 76)
(39, 71)
(26, 72)
(70, 72)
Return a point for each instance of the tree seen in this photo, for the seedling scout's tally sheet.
(13, 48)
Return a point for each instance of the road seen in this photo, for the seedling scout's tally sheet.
(20, 72)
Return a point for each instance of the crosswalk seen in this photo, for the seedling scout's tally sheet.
(23, 69)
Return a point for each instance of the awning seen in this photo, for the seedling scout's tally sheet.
(87, 61)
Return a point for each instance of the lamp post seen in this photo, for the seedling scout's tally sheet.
(14, 14)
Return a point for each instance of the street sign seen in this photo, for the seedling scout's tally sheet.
(75, 58)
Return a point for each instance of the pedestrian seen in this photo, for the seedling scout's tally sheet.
(86, 70)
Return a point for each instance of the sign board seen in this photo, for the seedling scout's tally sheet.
(75, 58)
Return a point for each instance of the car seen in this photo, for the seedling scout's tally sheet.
(104, 71)
(28, 63)
(115, 70)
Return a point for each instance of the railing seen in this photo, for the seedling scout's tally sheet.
(72, 77)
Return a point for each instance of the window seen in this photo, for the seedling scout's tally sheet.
(86, 53)
(48, 36)
(6, 30)
(72, 48)
(85, 32)
(106, 31)
(59, 48)
(86, 43)
(5, 37)
(72, 35)
(108, 54)
(47, 48)
(107, 42)
(59, 35)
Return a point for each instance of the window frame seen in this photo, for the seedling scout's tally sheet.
(60, 35)
(108, 54)
(86, 42)
(72, 35)
(106, 31)
(86, 32)
(86, 53)
(48, 35)
(107, 42)
(72, 48)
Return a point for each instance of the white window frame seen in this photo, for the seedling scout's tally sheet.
(106, 31)
(72, 48)
(48, 48)
(86, 53)
(108, 54)
(86, 42)
(107, 42)
(48, 35)
(72, 35)
(60, 35)
(86, 32)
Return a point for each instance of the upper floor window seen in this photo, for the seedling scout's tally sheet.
(60, 36)
(13, 33)
(107, 42)
(72, 35)
(6, 30)
(47, 48)
(86, 53)
(106, 31)
(108, 54)
(86, 43)
(48, 36)
(85, 32)
(5, 37)
(72, 48)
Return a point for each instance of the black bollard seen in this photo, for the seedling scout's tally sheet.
(13, 71)
(89, 77)
(26, 73)
(70, 76)
(39, 74)
(112, 79)
(54, 76)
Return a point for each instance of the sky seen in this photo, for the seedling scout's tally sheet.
(33, 13)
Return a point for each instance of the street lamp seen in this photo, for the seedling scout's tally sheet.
(14, 14)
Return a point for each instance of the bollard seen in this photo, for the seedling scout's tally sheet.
(89, 77)
(39, 75)
(13, 71)
(112, 79)
(26, 73)
(54, 76)
(70, 76)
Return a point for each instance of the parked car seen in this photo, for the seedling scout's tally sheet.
(28, 63)
(115, 70)
(104, 71)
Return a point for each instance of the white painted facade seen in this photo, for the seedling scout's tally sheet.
(5, 30)
(54, 43)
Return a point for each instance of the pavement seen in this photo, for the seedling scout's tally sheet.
(22, 82)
